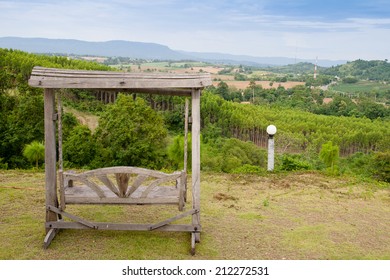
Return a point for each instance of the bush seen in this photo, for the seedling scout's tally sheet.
(381, 166)
(247, 169)
(227, 155)
(292, 163)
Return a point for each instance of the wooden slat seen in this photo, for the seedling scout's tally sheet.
(138, 181)
(126, 169)
(120, 200)
(119, 226)
(73, 217)
(108, 183)
(122, 180)
(170, 220)
(47, 72)
(56, 78)
(89, 183)
(158, 182)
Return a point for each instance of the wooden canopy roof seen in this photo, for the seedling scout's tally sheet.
(158, 83)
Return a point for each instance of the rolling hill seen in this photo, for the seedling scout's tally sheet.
(142, 50)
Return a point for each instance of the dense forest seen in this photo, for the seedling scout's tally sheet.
(233, 134)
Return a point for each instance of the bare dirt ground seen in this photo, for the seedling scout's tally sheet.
(90, 120)
(277, 216)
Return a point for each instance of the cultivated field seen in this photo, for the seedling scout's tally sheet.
(277, 216)
(265, 84)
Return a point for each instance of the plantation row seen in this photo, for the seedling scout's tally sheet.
(297, 130)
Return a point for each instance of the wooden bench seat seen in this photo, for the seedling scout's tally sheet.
(125, 185)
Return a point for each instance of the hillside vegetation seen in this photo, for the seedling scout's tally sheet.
(233, 134)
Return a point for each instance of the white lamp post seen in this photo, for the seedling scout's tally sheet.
(271, 130)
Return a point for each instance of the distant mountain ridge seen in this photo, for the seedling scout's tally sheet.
(142, 51)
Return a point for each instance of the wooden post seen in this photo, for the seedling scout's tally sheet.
(50, 155)
(186, 136)
(196, 158)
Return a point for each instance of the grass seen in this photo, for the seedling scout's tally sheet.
(276, 216)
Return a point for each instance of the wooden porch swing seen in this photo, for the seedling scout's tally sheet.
(121, 185)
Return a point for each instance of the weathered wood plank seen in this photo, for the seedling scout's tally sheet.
(90, 184)
(108, 183)
(72, 217)
(158, 182)
(52, 232)
(120, 226)
(121, 200)
(56, 78)
(50, 154)
(182, 185)
(122, 179)
(196, 157)
(126, 169)
(138, 181)
(186, 110)
(49, 72)
(170, 220)
(113, 83)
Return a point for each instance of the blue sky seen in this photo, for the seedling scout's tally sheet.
(342, 29)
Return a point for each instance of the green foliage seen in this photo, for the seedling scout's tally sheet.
(297, 131)
(34, 152)
(132, 134)
(21, 107)
(79, 148)
(3, 165)
(227, 155)
(293, 162)
(176, 152)
(350, 80)
(329, 154)
(361, 69)
(21, 122)
(381, 166)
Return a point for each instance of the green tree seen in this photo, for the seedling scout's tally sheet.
(131, 133)
(34, 152)
(329, 154)
(79, 147)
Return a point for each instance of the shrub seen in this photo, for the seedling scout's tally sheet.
(381, 166)
(247, 169)
(291, 163)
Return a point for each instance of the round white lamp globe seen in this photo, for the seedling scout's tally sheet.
(271, 129)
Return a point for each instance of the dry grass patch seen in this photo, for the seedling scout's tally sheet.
(277, 216)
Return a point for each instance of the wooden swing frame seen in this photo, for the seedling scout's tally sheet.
(50, 79)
